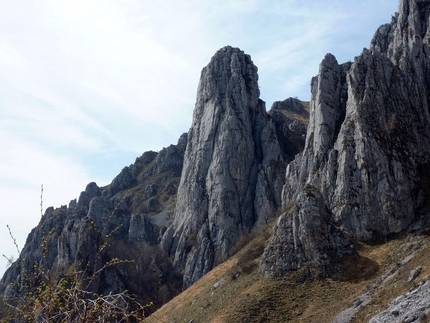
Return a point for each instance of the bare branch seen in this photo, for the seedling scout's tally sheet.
(14, 240)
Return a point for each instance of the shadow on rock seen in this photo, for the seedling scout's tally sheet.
(357, 268)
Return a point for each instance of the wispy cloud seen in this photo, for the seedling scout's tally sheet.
(88, 85)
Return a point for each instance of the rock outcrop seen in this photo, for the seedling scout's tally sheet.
(124, 220)
(367, 147)
(233, 168)
(306, 239)
(410, 307)
(364, 174)
(233, 161)
(291, 118)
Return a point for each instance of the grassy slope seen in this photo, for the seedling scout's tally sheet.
(295, 116)
(382, 270)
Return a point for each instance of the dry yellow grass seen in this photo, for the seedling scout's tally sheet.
(249, 298)
(296, 116)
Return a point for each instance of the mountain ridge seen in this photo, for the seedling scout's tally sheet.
(351, 170)
(367, 141)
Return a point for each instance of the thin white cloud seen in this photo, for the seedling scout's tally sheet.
(9, 56)
(30, 164)
(85, 81)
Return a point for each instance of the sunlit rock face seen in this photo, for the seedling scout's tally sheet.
(233, 168)
(367, 146)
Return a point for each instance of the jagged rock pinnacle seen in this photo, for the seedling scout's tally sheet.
(233, 168)
(368, 144)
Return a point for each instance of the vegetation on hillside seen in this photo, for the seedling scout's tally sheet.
(234, 291)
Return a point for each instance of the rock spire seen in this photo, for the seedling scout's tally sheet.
(233, 168)
(367, 149)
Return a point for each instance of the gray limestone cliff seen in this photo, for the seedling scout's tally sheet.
(124, 220)
(367, 146)
(363, 174)
(233, 168)
(178, 212)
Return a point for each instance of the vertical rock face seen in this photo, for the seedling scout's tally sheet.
(364, 172)
(233, 167)
(306, 239)
(368, 141)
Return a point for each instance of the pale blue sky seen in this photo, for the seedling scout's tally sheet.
(87, 86)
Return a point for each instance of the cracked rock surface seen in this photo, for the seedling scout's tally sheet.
(233, 168)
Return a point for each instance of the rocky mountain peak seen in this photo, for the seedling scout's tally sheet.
(122, 220)
(229, 67)
(367, 144)
(350, 165)
(233, 167)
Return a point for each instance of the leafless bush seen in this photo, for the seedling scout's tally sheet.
(41, 296)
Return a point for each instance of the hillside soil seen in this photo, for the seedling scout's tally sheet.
(234, 291)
